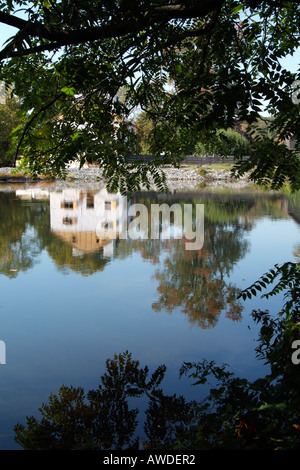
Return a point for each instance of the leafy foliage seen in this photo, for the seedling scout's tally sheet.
(83, 72)
(100, 420)
(9, 121)
(289, 283)
(224, 142)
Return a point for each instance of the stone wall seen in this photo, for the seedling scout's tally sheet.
(198, 160)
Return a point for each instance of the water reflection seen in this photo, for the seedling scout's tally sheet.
(82, 230)
(19, 243)
(104, 418)
(88, 220)
(58, 326)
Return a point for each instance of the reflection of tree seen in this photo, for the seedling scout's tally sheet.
(20, 254)
(197, 280)
(236, 414)
(167, 419)
(25, 232)
(274, 208)
(19, 244)
(224, 209)
(101, 420)
(62, 254)
(149, 250)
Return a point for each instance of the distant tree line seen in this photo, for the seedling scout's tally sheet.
(234, 141)
(9, 122)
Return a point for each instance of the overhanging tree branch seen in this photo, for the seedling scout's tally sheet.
(129, 24)
(30, 121)
(12, 20)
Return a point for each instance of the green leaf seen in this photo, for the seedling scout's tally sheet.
(70, 91)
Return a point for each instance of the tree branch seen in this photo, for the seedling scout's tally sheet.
(200, 9)
(11, 20)
(130, 24)
(28, 124)
(211, 26)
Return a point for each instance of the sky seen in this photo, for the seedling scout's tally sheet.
(292, 63)
(6, 32)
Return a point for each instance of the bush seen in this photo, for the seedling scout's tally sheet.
(223, 143)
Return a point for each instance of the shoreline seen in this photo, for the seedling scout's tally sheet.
(183, 176)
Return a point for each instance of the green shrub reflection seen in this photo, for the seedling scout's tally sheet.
(236, 414)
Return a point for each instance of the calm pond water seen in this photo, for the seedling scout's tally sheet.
(71, 298)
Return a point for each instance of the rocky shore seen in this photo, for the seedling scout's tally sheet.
(176, 177)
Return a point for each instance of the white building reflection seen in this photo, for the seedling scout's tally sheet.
(88, 220)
